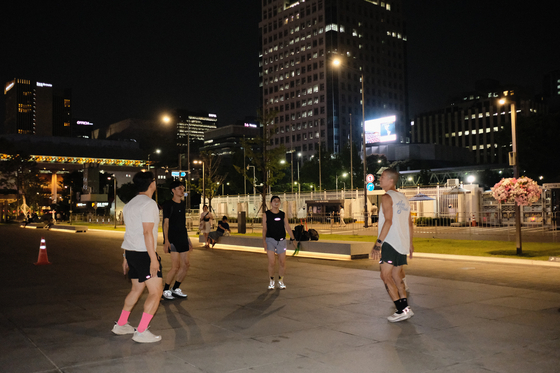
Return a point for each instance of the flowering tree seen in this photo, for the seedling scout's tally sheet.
(523, 191)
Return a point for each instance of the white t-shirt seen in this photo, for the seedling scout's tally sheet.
(140, 209)
(399, 233)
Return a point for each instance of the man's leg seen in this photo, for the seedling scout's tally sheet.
(271, 263)
(281, 270)
(388, 280)
(175, 265)
(184, 267)
(185, 264)
(152, 302)
(122, 327)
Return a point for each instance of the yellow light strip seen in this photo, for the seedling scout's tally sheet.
(80, 160)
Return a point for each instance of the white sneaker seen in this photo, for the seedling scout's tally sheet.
(179, 293)
(123, 329)
(145, 337)
(405, 315)
(271, 285)
(281, 284)
(168, 295)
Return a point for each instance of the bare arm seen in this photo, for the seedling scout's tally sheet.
(387, 206)
(288, 228)
(411, 232)
(165, 229)
(150, 247)
(264, 231)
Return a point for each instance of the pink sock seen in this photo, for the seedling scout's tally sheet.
(146, 318)
(124, 318)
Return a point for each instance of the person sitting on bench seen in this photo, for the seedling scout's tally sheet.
(223, 226)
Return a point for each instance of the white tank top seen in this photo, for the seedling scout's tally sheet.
(399, 235)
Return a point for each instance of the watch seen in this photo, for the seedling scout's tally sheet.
(379, 241)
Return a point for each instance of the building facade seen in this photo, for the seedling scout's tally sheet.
(315, 101)
(477, 121)
(36, 108)
(191, 126)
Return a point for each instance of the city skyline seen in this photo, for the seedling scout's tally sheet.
(128, 60)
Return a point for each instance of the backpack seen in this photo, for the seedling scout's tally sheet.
(304, 236)
(298, 229)
(313, 235)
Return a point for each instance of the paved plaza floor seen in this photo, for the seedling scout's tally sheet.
(331, 318)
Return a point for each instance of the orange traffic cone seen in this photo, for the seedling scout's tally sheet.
(43, 258)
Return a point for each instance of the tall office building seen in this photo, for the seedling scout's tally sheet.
(191, 126)
(35, 108)
(316, 101)
(477, 121)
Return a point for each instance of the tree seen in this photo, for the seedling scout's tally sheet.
(266, 160)
(212, 178)
(20, 173)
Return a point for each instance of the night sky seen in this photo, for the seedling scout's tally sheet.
(126, 59)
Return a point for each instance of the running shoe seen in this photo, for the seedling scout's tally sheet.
(281, 284)
(179, 293)
(167, 294)
(123, 329)
(145, 337)
(404, 315)
(271, 285)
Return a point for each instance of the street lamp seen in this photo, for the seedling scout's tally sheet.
(343, 175)
(157, 151)
(337, 63)
(513, 161)
(203, 182)
(115, 196)
(254, 184)
(470, 179)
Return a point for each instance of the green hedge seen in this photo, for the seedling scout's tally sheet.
(430, 222)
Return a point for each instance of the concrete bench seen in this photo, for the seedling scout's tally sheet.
(322, 249)
(33, 225)
(69, 228)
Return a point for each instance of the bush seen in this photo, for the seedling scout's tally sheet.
(430, 222)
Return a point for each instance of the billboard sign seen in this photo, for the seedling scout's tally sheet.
(381, 130)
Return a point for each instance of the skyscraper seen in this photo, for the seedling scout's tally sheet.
(35, 108)
(316, 101)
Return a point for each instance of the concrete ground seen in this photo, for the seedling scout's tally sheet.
(469, 316)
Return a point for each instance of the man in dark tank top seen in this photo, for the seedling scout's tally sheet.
(275, 226)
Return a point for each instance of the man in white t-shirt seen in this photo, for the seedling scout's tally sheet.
(141, 217)
(394, 242)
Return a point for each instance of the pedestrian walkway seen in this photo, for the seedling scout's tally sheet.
(331, 318)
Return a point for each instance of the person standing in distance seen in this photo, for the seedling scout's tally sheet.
(176, 241)
(275, 225)
(205, 224)
(394, 242)
(141, 217)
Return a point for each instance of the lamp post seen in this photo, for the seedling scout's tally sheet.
(515, 163)
(115, 196)
(343, 175)
(254, 183)
(157, 151)
(336, 63)
(203, 182)
(351, 155)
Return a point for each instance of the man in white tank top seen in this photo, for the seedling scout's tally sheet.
(394, 242)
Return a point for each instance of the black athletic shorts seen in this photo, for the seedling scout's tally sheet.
(139, 265)
(179, 248)
(391, 256)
